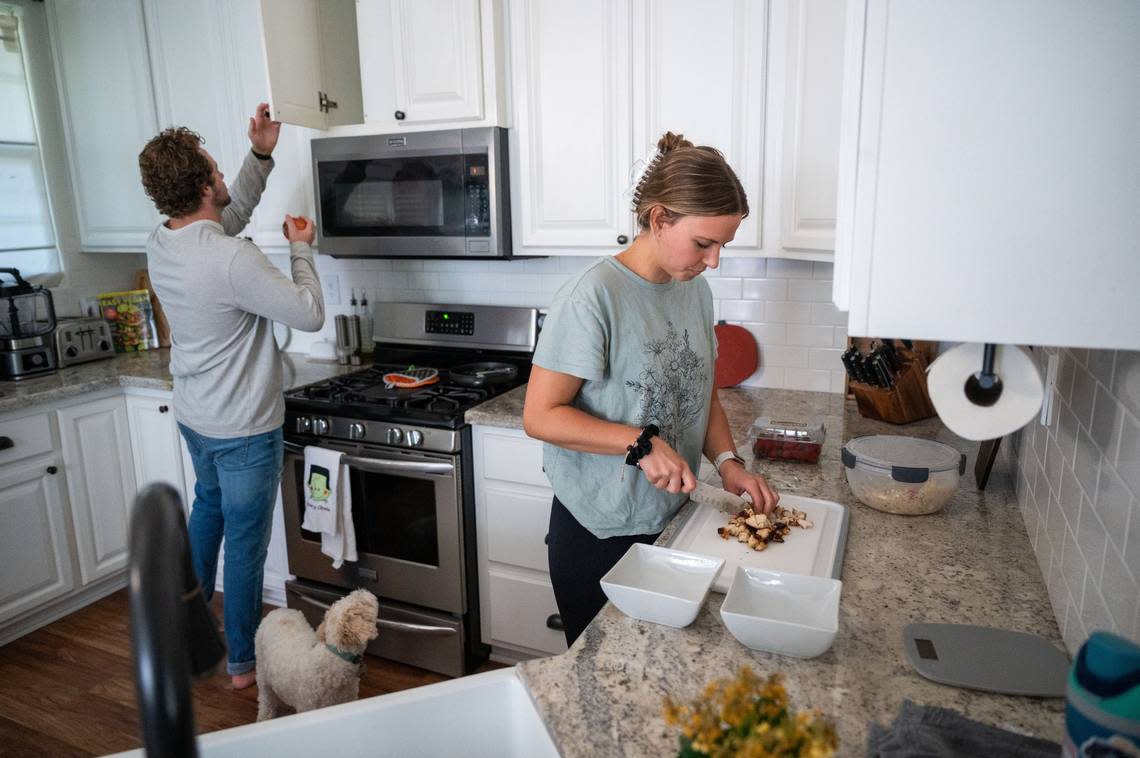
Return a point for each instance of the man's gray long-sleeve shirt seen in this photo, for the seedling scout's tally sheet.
(221, 296)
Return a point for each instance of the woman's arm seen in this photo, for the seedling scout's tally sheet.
(548, 416)
(733, 475)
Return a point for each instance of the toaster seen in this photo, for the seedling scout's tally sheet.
(78, 340)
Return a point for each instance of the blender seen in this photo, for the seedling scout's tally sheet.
(27, 321)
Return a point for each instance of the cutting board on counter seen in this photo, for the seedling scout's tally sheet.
(815, 552)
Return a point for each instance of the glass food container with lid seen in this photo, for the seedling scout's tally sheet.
(904, 475)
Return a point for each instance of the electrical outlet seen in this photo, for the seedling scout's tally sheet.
(330, 284)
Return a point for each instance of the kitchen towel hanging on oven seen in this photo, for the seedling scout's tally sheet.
(328, 503)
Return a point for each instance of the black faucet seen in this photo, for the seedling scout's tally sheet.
(173, 633)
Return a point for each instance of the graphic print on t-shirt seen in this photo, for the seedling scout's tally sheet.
(669, 383)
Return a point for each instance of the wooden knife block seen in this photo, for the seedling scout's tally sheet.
(903, 403)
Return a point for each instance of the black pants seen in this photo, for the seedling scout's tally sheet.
(578, 560)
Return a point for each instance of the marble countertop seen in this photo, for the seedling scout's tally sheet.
(970, 563)
(149, 369)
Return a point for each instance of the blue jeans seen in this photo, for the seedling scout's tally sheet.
(234, 498)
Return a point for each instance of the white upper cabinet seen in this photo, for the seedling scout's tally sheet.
(108, 110)
(813, 83)
(431, 86)
(313, 65)
(699, 70)
(988, 164)
(570, 147)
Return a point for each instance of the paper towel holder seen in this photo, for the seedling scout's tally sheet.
(984, 388)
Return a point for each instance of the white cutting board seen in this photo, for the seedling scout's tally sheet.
(816, 552)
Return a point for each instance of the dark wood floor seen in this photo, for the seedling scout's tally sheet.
(68, 689)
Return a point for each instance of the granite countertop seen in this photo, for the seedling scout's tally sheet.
(970, 563)
(149, 369)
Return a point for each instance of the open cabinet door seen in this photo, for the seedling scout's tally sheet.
(291, 29)
(340, 62)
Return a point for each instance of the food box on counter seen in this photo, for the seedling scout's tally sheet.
(787, 440)
(131, 318)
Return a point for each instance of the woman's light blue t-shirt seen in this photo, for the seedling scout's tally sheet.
(646, 352)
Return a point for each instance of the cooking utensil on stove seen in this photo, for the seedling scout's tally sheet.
(483, 373)
(737, 356)
(411, 378)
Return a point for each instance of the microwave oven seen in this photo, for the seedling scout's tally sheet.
(436, 194)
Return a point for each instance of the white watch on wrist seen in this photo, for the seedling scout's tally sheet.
(725, 456)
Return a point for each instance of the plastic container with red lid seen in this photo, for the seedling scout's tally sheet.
(787, 440)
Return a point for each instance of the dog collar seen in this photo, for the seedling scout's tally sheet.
(350, 657)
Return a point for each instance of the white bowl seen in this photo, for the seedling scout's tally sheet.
(660, 585)
(789, 614)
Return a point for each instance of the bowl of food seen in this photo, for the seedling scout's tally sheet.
(778, 612)
(903, 475)
(660, 585)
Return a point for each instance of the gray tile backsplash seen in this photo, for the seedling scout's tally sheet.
(786, 304)
(1078, 486)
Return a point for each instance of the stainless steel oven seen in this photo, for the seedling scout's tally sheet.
(436, 194)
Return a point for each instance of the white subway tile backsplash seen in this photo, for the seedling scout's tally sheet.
(765, 289)
(784, 355)
(811, 335)
(1088, 530)
(725, 288)
(782, 268)
(743, 310)
(821, 270)
(838, 381)
(766, 376)
(825, 359)
(768, 334)
(744, 267)
(840, 337)
(826, 313)
(788, 313)
(809, 290)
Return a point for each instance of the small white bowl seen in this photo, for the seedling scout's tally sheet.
(660, 585)
(789, 614)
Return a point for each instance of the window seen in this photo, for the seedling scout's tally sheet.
(27, 239)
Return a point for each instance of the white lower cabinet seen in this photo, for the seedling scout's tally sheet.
(512, 501)
(156, 441)
(34, 552)
(100, 482)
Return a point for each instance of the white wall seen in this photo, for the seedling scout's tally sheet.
(785, 303)
(1078, 485)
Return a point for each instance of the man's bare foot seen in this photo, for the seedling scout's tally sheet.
(241, 681)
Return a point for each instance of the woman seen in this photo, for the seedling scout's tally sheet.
(622, 384)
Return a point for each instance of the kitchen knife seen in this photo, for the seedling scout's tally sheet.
(866, 373)
(892, 357)
(882, 371)
(706, 494)
(848, 357)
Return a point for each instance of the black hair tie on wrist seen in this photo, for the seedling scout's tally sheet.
(642, 447)
(259, 156)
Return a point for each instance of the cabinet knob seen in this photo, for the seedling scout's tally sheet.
(6, 443)
(400, 116)
(163, 408)
(622, 239)
(52, 470)
(554, 621)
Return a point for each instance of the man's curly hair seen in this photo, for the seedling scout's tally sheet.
(174, 171)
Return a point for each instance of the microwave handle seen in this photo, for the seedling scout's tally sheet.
(397, 626)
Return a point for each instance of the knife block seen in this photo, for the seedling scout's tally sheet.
(906, 401)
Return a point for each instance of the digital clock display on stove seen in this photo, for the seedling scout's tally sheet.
(449, 322)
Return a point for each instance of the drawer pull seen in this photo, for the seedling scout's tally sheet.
(554, 621)
(6, 443)
(52, 470)
(163, 408)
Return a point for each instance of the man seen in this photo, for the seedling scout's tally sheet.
(221, 296)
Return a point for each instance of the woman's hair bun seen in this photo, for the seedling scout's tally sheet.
(671, 141)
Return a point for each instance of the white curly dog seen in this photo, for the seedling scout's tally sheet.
(306, 669)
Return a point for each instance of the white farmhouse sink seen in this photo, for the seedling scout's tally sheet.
(487, 714)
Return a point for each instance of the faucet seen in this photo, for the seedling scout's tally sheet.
(174, 635)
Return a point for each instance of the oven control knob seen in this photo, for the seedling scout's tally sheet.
(304, 424)
(321, 426)
(356, 431)
(415, 439)
(394, 436)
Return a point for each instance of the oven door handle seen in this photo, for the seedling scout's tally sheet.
(397, 626)
(383, 465)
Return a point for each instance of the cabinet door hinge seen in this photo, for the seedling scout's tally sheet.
(324, 102)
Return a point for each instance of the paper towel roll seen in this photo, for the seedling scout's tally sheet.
(1022, 391)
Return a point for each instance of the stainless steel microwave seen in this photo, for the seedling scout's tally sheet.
(416, 195)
